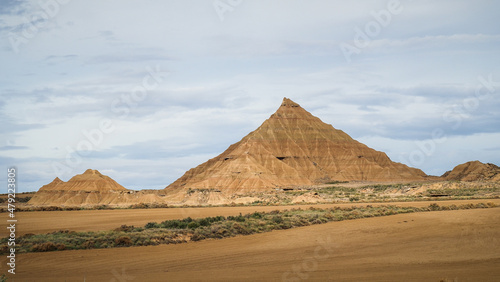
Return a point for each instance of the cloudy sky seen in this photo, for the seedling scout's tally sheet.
(145, 90)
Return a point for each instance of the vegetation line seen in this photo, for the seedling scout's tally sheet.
(218, 227)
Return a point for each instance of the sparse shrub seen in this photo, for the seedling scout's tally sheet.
(467, 206)
(317, 221)
(89, 244)
(277, 219)
(256, 215)
(123, 241)
(286, 225)
(125, 228)
(197, 236)
(51, 208)
(60, 232)
(175, 224)
(339, 217)
(240, 229)
(44, 247)
(140, 206)
(434, 207)
(150, 225)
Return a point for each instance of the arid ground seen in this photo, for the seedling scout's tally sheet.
(96, 220)
(460, 245)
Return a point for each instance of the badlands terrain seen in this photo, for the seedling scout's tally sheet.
(294, 200)
(292, 151)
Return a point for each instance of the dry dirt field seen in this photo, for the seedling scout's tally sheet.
(95, 220)
(460, 245)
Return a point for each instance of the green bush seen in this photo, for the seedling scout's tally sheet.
(238, 218)
(174, 224)
(150, 225)
(203, 222)
(256, 215)
(277, 219)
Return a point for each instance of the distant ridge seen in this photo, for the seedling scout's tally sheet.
(292, 148)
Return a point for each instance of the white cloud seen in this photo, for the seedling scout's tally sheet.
(226, 77)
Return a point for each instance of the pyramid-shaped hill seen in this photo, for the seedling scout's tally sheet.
(90, 181)
(293, 148)
(89, 188)
(474, 171)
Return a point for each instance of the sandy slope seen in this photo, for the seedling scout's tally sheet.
(462, 245)
(95, 220)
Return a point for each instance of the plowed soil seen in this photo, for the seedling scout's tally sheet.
(462, 245)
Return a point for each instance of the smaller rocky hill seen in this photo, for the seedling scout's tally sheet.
(91, 187)
(474, 171)
(90, 180)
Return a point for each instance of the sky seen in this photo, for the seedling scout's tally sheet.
(145, 90)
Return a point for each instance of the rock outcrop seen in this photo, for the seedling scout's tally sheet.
(292, 148)
(473, 171)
